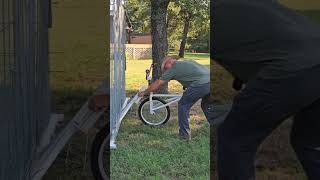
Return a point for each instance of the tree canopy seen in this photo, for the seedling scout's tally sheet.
(139, 12)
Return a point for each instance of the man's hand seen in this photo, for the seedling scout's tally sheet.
(99, 102)
(141, 94)
(152, 88)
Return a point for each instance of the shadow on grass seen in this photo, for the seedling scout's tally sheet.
(157, 152)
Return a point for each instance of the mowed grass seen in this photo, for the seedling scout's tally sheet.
(78, 44)
(314, 15)
(156, 152)
(78, 63)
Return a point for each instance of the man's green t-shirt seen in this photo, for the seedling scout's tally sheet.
(188, 73)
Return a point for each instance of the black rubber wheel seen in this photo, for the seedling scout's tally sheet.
(100, 154)
(161, 116)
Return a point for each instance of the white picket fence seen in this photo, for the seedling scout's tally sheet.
(138, 51)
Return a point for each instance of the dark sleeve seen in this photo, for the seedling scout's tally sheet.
(236, 24)
(237, 84)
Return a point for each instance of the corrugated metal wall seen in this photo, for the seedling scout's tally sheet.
(24, 88)
(117, 61)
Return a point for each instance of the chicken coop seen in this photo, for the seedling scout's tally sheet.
(24, 87)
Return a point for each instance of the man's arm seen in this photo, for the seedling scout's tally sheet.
(153, 87)
(101, 98)
(99, 102)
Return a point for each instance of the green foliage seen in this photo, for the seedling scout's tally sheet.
(139, 12)
(198, 13)
(198, 36)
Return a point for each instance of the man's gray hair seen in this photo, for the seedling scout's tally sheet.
(165, 60)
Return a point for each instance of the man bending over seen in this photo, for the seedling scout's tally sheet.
(193, 76)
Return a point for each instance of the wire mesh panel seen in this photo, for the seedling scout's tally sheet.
(117, 63)
(24, 89)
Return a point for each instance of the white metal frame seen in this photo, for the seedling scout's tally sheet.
(125, 108)
(128, 103)
(172, 98)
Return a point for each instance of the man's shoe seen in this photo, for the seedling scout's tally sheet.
(187, 138)
(184, 137)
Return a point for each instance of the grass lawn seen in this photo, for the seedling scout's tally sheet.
(77, 66)
(313, 14)
(156, 152)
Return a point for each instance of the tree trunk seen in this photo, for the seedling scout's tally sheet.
(159, 36)
(184, 36)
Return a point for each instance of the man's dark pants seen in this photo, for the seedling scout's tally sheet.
(258, 110)
(189, 98)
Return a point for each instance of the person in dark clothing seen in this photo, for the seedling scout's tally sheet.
(275, 52)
